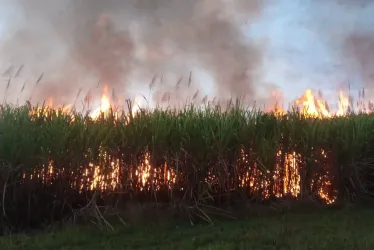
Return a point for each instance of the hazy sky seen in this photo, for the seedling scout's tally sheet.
(300, 51)
(303, 41)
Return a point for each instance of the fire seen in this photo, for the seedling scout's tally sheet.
(309, 104)
(343, 104)
(312, 106)
(49, 106)
(148, 175)
(105, 105)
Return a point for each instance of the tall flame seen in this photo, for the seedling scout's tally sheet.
(343, 104)
(105, 105)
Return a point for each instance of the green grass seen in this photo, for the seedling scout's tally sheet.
(343, 229)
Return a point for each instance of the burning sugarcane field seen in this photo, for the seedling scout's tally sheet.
(152, 113)
(194, 155)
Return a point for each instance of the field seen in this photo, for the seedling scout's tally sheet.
(343, 229)
(65, 166)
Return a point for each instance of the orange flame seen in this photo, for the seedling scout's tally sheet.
(105, 105)
(312, 106)
(47, 107)
(343, 104)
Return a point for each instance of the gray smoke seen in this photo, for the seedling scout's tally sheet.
(353, 40)
(359, 51)
(77, 43)
(347, 27)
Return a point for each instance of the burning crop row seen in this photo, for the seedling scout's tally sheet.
(178, 155)
(309, 104)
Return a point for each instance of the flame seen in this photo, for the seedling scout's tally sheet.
(312, 106)
(105, 105)
(48, 106)
(343, 104)
(147, 175)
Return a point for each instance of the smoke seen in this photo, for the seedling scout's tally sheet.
(346, 27)
(359, 51)
(353, 40)
(81, 45)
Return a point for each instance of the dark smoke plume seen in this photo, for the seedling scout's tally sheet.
(76, 43)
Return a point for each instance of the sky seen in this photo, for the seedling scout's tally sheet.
(298, 55)
(302, 41)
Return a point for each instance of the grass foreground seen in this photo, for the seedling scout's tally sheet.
(339, 229)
